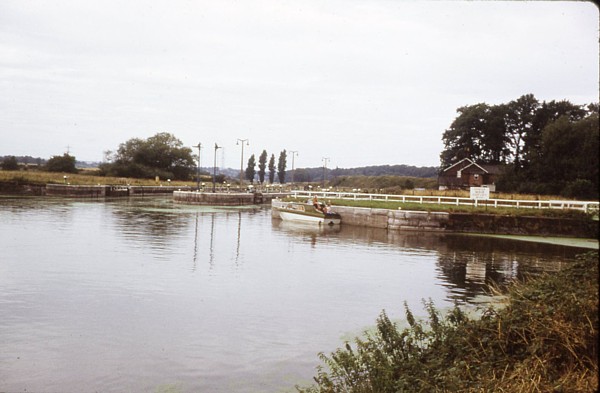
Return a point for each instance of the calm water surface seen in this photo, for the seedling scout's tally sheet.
(143, 295)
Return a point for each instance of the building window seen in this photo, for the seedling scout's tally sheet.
(476, 176)
(458, 174)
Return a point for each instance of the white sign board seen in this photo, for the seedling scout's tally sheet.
(480, 193)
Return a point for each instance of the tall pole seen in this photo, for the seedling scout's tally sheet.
(198, 171)
(215, 166)
(294, 153)
(242, 161)
(325, 159)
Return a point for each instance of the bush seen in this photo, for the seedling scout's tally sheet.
(64, 163)
(10, 164)
(545, 339)
(580, 188)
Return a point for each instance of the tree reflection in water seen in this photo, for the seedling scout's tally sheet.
(467, 265)
(470, 264)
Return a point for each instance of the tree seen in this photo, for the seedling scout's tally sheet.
(64, 163)
(519, 120)
(569, 157)
(463, 138)
(547, 113)
(281, 166)
(251, 169)
(478, 133)
(494, 142)
(272, 169)
(262, 166)
(160, 155)
(10, 163)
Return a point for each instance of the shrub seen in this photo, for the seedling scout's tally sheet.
(545, 339)
(580, 188)
(10, 164)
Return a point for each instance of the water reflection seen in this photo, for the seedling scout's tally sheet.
(466, 265)
(469, 264)
(140, 293)
(302, 230)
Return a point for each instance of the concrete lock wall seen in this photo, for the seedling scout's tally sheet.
(76, 191)
(224, 198)
(217, 199)
(149, 190)
(393, 219)
(522, 225)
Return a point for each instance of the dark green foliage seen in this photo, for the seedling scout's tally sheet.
(64, 163)
(477, 133)
(10, 164)
(282, 163)
(544, 339)
(262, 166)
(549, 147)
(251, 169)
(272, 169)
(161, 155)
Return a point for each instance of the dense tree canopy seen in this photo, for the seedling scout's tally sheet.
(64, 163)
(161, 155)
(547, 147)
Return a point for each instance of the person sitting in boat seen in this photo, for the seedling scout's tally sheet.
(315, 202)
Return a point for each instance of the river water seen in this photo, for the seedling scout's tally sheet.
(144, 295)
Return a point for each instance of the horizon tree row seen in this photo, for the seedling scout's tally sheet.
(250, 172)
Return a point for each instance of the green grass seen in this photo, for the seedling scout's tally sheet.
(545, 339)
(83, 178)
(434, 207)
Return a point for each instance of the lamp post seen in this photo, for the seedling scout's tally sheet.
(215, 166)
(294, 154)
(198, 171)
(242, 161)
(325, 159)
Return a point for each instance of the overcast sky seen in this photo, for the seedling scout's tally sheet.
(361, 82)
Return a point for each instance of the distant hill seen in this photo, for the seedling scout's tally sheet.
(316, 174)
(28, 160)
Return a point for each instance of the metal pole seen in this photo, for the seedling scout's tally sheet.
(294, 153)
(325, 159)
(242, 160)
(198, 171)
(215, 166)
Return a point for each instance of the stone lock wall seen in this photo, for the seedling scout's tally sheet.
(393, 219)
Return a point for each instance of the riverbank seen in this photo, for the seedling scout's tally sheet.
(571, 224)
(544, 339)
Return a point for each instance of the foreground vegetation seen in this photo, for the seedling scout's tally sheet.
(545, 339)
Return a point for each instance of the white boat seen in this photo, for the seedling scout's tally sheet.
(304, 212)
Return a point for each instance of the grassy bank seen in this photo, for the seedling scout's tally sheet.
(544, 340)
(434, 207)
(40, 178)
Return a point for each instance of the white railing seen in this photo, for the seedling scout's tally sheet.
(586, 206)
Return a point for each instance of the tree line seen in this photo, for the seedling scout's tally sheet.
(319, 173)
(251, 173)
(545, 147)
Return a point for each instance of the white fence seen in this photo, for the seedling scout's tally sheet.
(586, 206)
